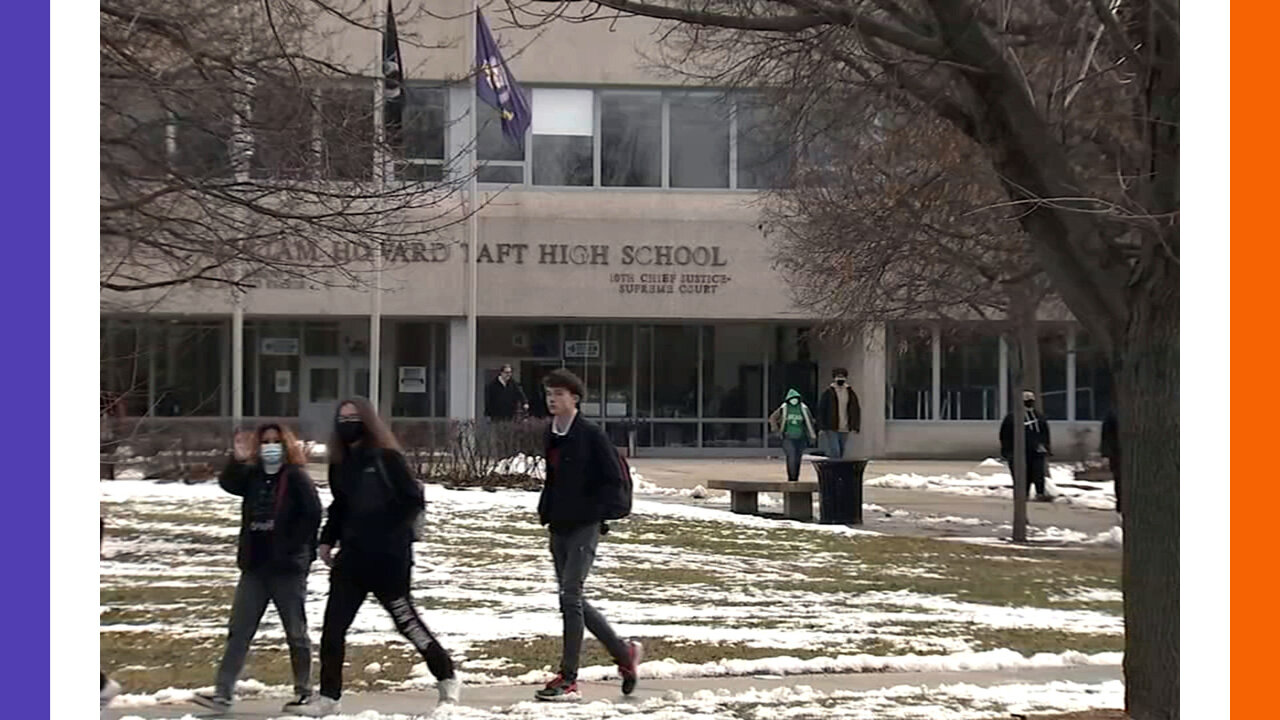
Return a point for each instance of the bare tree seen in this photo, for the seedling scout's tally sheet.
(1076, 108)
(239, 148)
(892, 216)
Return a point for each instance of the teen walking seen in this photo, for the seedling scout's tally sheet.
(795, 423)
(278, 521)
(838, 414)
(584, 486)
(376, 502)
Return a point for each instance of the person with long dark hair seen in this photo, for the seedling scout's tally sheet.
(279, 518)
(376, 501)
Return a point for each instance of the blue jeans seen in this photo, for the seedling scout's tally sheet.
(794, 449)
(834, 442)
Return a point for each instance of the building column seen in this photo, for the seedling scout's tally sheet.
(459, 366)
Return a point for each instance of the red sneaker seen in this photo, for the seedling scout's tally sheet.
(631, 668)
(559, 690)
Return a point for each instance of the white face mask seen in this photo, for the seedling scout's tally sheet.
(272, 454)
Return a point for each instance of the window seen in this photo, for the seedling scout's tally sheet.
(347, 133)
(125, 368)
(1093, 380)
(281, 126)
(618, 381)
(321, 339)
(699, 142)
(424, 130)
(584, 357)
(733, 371)
(202, 141)
(910, 372)
(188, 367)
(272, 363)
(675, 371)
(563, 132)
(570, 146)
(970, 373)
(501, 161)
(763, 153)
(1053, 373)
(134, 127)
(631, 140)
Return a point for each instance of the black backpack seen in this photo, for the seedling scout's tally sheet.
(419, 520)
(617, 505)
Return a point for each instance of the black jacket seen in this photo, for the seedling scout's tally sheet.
(372, 513)
(297, 514)
(829, 411)
(1037, 429)
(581, 467)
(504, 402)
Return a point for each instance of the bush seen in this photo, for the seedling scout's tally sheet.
(482, 454)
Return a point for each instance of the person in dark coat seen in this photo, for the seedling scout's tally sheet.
(279, 518)
(583, 476)
(376, 501)
(1110, 449)
(1038, 447)
(504, 399)
(838, 414)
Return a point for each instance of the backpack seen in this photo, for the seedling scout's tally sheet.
(420, 520)
(618, 507)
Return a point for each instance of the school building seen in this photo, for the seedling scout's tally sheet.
(621, 243)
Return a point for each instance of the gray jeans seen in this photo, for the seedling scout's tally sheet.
(573, 553)
(254, 591)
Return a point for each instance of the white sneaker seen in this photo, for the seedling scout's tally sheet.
(317, 706)
(450, 691)
(108, 691)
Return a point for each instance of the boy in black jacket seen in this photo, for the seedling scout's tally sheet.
(582, 471)
(1038, 447)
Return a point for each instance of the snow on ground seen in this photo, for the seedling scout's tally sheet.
(681, 573)
(954, 701)
(1061, 483)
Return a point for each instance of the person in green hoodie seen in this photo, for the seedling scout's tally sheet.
(794, 422)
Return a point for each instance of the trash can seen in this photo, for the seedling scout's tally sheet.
(840, 491)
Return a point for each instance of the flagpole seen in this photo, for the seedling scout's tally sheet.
(473, 230)
(380, 179)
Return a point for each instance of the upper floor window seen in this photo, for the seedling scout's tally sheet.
(563, 137)
(616, 138)
(423, 130)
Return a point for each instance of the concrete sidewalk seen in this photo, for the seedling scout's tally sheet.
(689, 473)
(417, 703)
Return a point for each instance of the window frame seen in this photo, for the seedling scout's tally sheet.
(667, 94)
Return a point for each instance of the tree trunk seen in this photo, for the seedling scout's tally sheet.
(1147, 411)
(1019, 464)
(1026, 376)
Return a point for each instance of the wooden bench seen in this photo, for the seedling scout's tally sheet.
(744, 498)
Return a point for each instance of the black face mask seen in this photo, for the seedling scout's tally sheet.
(840, 382)
(350, 430)
(1029, 403)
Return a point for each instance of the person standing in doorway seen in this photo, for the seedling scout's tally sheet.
(1038, 447)
(583, 475)
(504, 399)
(1110, 449)
(838, 414)
(278, 521)
(376, 502)
(795, 423)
